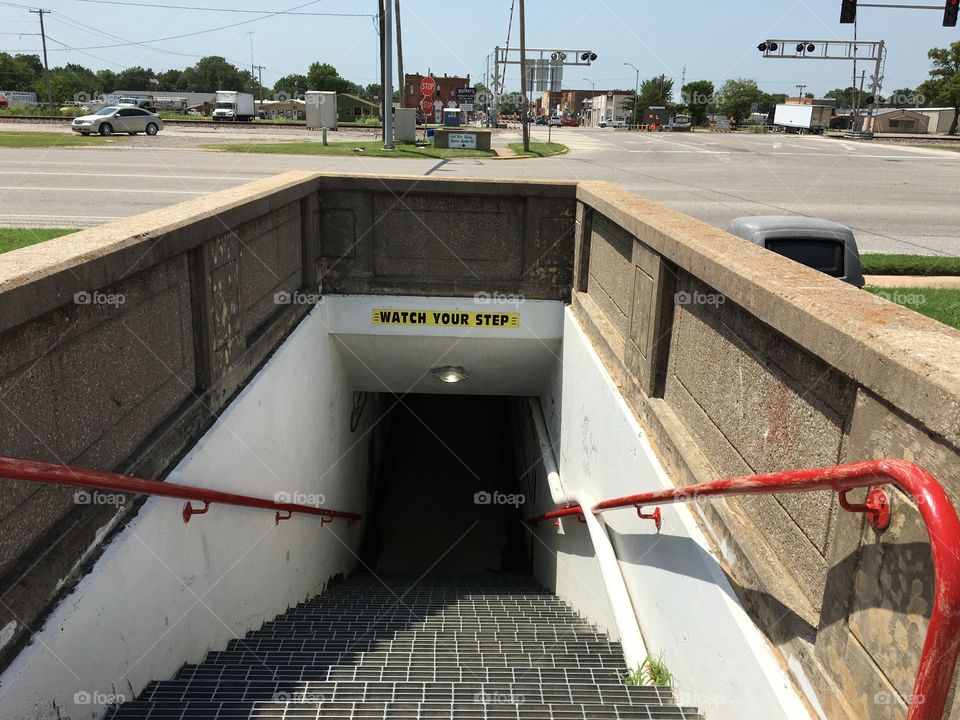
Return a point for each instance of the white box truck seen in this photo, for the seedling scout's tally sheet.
(233, 106)
(803, 118)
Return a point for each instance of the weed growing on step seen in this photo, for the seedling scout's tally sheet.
(651, 672)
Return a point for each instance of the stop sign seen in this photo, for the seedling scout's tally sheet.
(428, 86)
(427, 105)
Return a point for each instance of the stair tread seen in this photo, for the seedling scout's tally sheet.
(491, 647)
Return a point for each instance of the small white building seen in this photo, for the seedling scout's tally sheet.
(609, 106)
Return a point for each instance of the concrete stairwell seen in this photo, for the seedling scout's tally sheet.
(474, 646)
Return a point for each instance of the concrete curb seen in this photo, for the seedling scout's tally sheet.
(914, 281)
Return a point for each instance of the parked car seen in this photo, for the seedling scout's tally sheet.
(541, 121)
(118, 119)
(681, 123)
(568, 122)
(554, 121)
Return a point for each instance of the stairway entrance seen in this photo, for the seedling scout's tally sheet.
(446, 498)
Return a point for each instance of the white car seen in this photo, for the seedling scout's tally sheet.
(614, 123)
(118, 119)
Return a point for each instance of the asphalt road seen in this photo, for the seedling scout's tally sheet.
(897, 199)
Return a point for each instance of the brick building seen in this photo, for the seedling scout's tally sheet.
(447, 87)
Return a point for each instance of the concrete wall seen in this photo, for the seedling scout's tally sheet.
(685, 606)
(120, 345)
(738, 361)
(194, 587)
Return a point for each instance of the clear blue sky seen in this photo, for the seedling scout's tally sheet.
(714, 40)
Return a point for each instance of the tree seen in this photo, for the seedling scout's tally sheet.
(849, 98)
(374, 90)
(737, 98)
(698, 96)
(324, 76)
(169, 80)
(291, 85)
(768, 102)
(134, 78)
(20, 72)
(943, 88)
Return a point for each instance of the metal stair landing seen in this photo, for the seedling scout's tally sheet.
(477, 647)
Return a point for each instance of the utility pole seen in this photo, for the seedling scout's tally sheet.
(801, 88)
(387, 76)
(523, 78)
(401, 78)
(253, 68)
(46, 67)
(636, 93)
(383, 80)
(260, 83)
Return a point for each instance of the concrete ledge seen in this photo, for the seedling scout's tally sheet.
(908, 359)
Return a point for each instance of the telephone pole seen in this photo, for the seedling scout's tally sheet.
(400, 75)
(46, 67)
(387, 76)
(523, 78)
(259, 69)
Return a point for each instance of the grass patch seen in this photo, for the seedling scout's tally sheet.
(885, 264)
(539, 149)
(47, 139)
(13, 238)
(941, 304)
(654, 671)
(342, 149)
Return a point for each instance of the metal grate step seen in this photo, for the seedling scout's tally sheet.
(485, 647)
(138, 710)
(448, 692)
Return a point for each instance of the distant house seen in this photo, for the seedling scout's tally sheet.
(898, 120)
(291, 109)
(351, 108)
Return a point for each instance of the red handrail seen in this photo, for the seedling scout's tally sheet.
(34, 471)
(940, 649)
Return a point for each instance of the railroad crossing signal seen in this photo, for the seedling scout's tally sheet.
(848, 12)
(950, 13)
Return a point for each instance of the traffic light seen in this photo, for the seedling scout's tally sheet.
(771, 46)
(588, 56)
(950, 13)
(848, 11)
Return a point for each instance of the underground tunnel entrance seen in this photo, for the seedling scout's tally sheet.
(446, 497)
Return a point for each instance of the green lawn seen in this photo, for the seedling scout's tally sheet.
(13, 238)
(941, 304)
(881, 264)
(47, 139)
(357, 149)
(539, 149)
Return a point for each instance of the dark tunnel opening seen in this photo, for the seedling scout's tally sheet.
(446, 498)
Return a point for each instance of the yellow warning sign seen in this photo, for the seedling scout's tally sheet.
(447, 318)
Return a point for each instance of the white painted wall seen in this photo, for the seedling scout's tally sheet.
(164, 592)
(685, 605)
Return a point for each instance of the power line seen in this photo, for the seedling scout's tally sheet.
(198, 32)
(223, 9)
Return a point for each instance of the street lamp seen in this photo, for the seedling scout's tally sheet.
(593, 92)
(636, 92)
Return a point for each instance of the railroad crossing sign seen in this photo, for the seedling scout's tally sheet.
(428, 86)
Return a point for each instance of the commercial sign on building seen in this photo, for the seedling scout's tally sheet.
(467, 141)
(466, 95)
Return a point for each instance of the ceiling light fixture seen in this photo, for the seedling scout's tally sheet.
(450, 374)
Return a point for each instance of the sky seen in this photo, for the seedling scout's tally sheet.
(712, 40)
